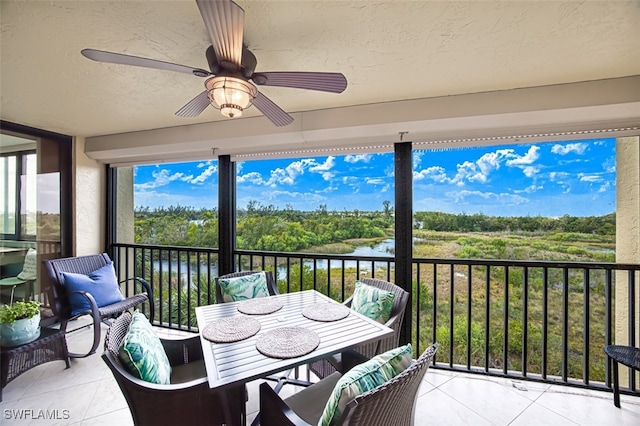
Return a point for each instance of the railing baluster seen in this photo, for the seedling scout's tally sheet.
(416, 300)
(451, 311)
(632, 322)
(607, 321)
(565, 323)
(545, 320)
(343, 281)
(487, 312)
(179, 288)
(586, 327)
(469, 318)
(525, 319)
(435, 302)
(505, 342)
(328, 277)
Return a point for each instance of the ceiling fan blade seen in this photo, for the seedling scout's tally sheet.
(225, 24)
(272, 111)
(334, 82)
(195, 106)
(119, 58)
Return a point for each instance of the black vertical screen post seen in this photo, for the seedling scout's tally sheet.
(404, 226)
(226, 214)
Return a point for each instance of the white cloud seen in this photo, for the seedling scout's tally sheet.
(605, 187)
(479, 170)
(530, 189)
(417, 158)
(609, 165)
(589, 178)
(576, 148)
(205, 164)
(210, 170)
(557, 175)
(327, 165)
(525, 162)
(251, 177)
(365, 158)
(374, 181)
(162, 178)
(470, 172)
(530, 171)
(529, 158)
(435, 173)
(291, 173)
(503, 197)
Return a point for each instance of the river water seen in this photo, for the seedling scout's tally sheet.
(384, 248)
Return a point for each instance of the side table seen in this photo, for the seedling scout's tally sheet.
(625, 355)
(50, 346)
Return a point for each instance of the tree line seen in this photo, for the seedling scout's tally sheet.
(437, 221)
(267, 227)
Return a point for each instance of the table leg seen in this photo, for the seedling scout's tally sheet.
(234, 411)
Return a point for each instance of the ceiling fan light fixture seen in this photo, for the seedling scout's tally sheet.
(230, 95)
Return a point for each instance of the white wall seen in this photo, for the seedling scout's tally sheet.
(89, 185)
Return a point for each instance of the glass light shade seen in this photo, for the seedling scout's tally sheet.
(230, 95)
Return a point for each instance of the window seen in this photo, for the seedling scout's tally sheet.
(18, 175)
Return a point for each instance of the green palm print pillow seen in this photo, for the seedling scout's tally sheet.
(243, 288)
(372, 302)
(363, 378)
(142, 353)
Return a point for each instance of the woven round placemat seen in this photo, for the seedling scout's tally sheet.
(260, 306)
(287, 342)
(325, 312)
(231, 329)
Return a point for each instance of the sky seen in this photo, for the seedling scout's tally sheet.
(543, 179)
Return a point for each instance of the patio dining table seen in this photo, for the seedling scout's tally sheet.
(239, 362)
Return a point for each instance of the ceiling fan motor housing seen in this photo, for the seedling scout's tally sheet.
(247, 67)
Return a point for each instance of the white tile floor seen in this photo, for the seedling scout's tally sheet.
(87, 394)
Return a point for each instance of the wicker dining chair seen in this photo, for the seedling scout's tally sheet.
(327, 366)
(391, 403)
(61, 305)
(187, 400)
(272, 287)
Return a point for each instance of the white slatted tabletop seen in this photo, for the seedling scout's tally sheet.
(240, 362)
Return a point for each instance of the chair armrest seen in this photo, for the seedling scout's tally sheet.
(118, 368)
(183, 351)
(393, 319)
(149, 290)
(274, 411)
(348, 301)
(143, 282)
(93, 310)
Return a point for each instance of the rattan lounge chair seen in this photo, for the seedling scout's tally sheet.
(392, 403)
(188, 400)
(325, 367)
(61, 306)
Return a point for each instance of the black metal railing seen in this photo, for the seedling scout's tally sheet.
(545, 321)
(542, 321)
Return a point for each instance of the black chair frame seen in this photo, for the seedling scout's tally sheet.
(187, 400)
(59, 297)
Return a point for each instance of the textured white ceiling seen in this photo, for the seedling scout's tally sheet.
(388, 50)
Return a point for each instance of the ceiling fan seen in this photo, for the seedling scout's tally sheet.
(230, 85)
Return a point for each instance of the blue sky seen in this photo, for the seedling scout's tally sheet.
(543, 179)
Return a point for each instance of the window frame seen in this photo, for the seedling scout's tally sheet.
(21, 158)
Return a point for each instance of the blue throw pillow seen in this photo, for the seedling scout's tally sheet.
(102, 284)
